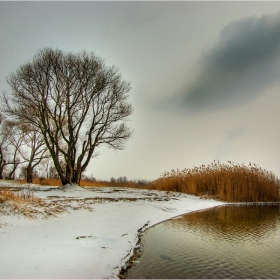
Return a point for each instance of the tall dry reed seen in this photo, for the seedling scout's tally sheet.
(228, 182)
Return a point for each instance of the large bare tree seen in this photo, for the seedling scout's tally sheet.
(77, 104)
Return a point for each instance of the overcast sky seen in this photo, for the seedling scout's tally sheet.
(204, 75)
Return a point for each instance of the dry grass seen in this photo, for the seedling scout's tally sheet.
(23, 196)
(85, 183)
(57, 182)
(227, 182)
(47, 182)
(22, 203)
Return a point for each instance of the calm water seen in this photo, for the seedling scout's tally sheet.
(223, 242)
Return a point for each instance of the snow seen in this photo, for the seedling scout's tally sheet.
(82, 233)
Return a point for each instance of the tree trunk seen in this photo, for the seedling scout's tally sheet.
(29, 175)
(2, 166)
(78, 175)
(72, 176)
(11, 174)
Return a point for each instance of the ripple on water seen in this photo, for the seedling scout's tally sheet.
(222, 242)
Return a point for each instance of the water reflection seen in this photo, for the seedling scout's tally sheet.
(222, 242)
(232, 223)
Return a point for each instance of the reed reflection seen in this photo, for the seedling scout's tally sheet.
(232, 222)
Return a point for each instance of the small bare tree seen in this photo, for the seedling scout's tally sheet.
(11, 142)
(34, 149)
(53, 173)
(77, 104)
(3, 146)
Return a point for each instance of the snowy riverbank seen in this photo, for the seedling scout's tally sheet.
(92, 233)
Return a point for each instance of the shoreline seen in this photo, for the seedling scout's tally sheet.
(109, 222)
(137, 252)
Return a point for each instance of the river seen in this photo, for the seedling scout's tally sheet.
(221, 242)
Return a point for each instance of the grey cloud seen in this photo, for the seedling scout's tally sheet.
(235, 133)
(244, 61)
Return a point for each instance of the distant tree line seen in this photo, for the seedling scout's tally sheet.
(124, 179)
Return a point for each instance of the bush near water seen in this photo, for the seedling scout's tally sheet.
(227, 182)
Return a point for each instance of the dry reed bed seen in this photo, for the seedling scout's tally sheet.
(227, 182)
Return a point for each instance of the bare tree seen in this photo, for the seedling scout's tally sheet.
(3, 146)
(53, 173)
(77, 104)
(113, 180)
(34, 149)
(47, 163)
(11, 142)
(22, 172)
(122, 179)
(3, 160)
(19, 144)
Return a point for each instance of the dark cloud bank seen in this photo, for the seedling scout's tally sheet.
(243, 62)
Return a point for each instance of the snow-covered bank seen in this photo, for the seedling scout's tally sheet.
(92, 238)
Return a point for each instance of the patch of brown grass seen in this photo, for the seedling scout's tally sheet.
(47, 182)
(22, 203)
(128, 184)
(23, 196)
(228, 182)
(87, 183)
